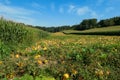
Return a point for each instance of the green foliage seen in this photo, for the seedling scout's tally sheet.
(109, 22)
(4, 50)
(87, 24)
(18, 34)
(29, 77)
(92, 23)
(41, 77)
(11, 32)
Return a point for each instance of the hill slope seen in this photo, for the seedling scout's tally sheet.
(113, 30)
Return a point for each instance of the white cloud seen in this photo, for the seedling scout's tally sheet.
(25, 19)
(15, 10)
(80, 11)
(83, 10)
(5, 1)
(17, 18)
(71, 8)
(17, 13)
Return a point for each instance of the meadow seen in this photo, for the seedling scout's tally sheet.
(57, 56)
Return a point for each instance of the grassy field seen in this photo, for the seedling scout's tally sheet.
(113, 30)
(58, 56)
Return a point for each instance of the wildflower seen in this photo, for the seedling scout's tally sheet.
(1, 62)
(17, 56)
(37, 57)
(20, 64)
(35, 48)
(44, 48)
(99, 72)
(66, 76)
(74, 72)
(10, 76)
(39, 62)
(38, 46)
(107, 72)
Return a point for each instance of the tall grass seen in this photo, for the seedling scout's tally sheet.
(15, 34)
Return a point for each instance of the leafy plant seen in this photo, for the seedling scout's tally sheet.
(4, 50)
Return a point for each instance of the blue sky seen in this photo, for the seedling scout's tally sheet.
(58, 12)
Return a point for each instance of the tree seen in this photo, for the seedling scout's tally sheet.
(88, 23)
(92, 23)
(116, 20)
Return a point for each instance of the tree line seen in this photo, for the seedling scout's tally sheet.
(54, 29)
(85, 24)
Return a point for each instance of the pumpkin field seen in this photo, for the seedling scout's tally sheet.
(33, 54)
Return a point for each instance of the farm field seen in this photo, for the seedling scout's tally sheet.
(60, 40)
(113, 30)
(28, 53)
(65, 57)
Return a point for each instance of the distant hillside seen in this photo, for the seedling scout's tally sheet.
(85, 25)
(113, 30)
